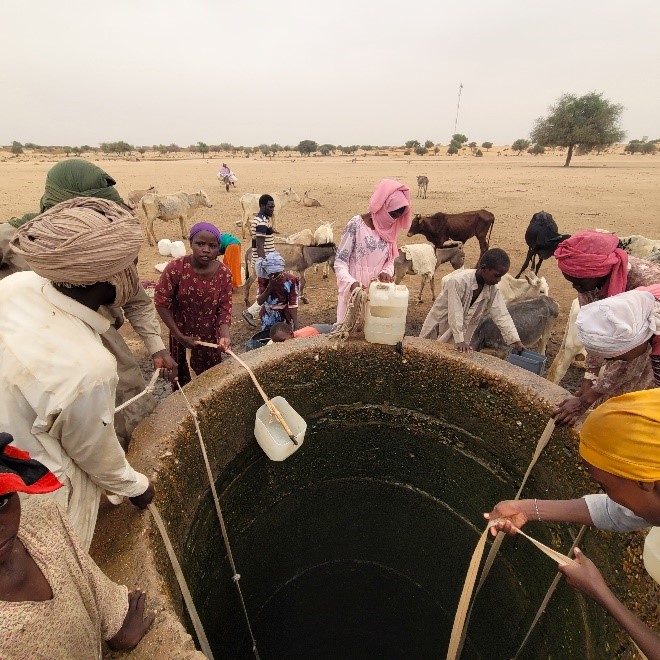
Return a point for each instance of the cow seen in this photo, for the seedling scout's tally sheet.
(133, 198)
(570, 348)
(297, 258)
(250, 205)
(422, 185)
(515, 290)
(424, 259)
(180, 206)
(442, 227)
(542, 238)
(533, 320)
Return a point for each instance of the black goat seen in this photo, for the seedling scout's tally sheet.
(542, 238)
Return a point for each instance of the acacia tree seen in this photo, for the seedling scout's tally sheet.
(203, 148)
(16, 148)
(588, 121)
(306, 147)
(487, 145)
(520, 145)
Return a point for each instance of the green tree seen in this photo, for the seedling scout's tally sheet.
(436, 149)
(459, 138)
(588, 121)
(429, 144)
(67, 150)
(452, 149)
(487, 145)
(275, 147)
(367, 147)
(520, 145)
(411, 144)
(16, 148)
(203, 148)
(472, 145)
(264, 148)
(420, 150)
(161, 149)
(326, 149)
(351, 149)
(536, 149)
(306, 147)
(640, 147)
(173, 148)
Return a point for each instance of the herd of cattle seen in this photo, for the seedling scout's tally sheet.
(532, 310)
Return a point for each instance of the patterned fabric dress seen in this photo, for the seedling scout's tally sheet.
(199, 306)
(86, 608)
(362, 256)
(282, 298)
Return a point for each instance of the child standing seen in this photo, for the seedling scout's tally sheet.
(468, 296)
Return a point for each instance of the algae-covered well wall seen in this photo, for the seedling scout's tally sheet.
(357, 545)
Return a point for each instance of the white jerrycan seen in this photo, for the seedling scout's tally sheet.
(385, 314)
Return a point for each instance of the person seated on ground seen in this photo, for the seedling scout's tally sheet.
(230, 250)
(597, 268)
(367, 248)
(59, 395)
(55, 602)
(193, 297)
(468, 296)
(624, 328)
(620, 446)
(278, 293)
(283, 331)
(67, 180)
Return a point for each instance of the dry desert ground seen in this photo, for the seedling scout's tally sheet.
(610, 191)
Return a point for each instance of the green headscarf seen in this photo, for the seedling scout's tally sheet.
(70, 178)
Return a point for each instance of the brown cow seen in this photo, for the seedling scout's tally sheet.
(442, 227)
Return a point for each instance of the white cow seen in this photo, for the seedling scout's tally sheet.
(530, 286)
(324, 236)
(180, 206)
(570, 348)
(250, 205)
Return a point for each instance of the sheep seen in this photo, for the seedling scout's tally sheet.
(639, 246)
(424, 259)
(310, 201)
(250, 205)
(570, 348)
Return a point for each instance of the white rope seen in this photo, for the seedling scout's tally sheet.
(151, 385)
(354, 318)
(235, 574)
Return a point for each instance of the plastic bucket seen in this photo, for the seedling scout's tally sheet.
(270, 434)
(526, 359)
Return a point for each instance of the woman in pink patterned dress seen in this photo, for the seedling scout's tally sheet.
(193, 297)
(367, 249)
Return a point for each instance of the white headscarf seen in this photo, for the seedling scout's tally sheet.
(615, 325)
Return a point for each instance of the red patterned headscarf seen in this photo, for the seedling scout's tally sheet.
(589, 254)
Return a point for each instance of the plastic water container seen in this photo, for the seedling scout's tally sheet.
(270, 434)
(651, 554)
(165, 247)
(385, 314)
(178, 249)
(530, 360)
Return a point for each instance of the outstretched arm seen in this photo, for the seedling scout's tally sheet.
(585, 577)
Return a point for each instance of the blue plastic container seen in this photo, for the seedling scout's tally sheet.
(530, 360)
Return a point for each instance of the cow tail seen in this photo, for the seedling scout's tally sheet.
(490, 231)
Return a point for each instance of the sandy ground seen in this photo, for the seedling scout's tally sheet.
(610, 191)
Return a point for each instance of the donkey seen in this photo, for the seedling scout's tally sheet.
(422, 185)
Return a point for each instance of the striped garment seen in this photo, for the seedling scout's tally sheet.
(261, 225)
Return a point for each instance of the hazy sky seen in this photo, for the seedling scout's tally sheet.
(345, 72)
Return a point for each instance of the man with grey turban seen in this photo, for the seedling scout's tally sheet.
(624, 330)
(58, 399)
(79, 178)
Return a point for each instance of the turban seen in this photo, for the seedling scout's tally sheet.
(622, 436)
(21, 474)
(590, 254)
(270, 264)
(390, 195)
(83, 241)
(616, 325)
(205, 226)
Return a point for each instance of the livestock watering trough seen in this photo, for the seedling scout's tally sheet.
(357, 545)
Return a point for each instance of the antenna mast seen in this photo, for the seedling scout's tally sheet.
(458, 105)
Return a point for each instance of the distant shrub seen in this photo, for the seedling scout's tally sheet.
(452, 149)
(478, 153)
(536, 149)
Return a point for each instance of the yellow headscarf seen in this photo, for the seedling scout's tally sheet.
(622, 436)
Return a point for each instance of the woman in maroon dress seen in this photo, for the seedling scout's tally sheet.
(193, 297)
